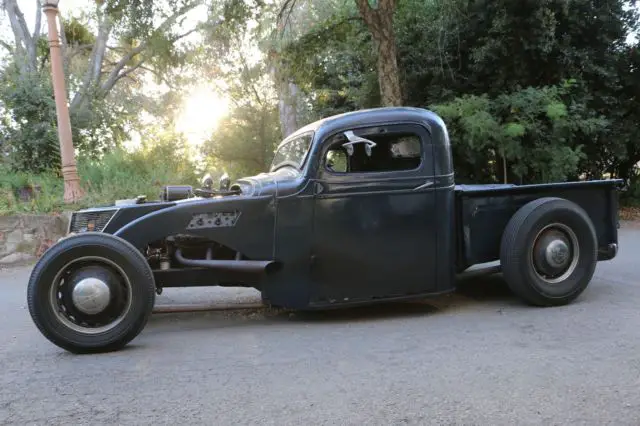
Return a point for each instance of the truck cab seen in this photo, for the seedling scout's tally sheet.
(379, 189)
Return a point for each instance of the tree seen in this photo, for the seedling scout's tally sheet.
(532, 135)
(109, 54)
(515, 44)
(28, 134)
(244, 141)
(379, 20)
(447, 49)
(143, 46)
(25, 47)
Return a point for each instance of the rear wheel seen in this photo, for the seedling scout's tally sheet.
(549, 252)
(92, 292)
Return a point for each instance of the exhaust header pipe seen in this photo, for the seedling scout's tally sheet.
(245, 266)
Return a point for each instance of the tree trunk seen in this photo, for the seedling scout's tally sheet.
(93, 73)
(504, 167)
(288, 93)
(26, 53)
(63, 47)
(380, 23)
(287, 105)
(263, 142)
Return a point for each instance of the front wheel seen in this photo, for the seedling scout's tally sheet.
(549, 252)
(91, 292)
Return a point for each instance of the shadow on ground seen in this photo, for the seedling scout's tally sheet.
(472, 291)
(485, 288)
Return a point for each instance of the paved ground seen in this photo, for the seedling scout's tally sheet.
(479, 357)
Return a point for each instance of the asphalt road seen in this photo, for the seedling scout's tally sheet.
(478, 357)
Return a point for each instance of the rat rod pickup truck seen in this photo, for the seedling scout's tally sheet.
(356, 208)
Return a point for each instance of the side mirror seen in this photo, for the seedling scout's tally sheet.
(225, 182)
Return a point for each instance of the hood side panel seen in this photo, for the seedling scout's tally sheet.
(251, 234)
(127, 214)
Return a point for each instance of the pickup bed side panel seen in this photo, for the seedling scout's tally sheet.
(482, 214)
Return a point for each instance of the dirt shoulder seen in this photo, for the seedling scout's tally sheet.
(630, 216)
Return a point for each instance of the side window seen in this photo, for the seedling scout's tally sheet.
(378, 152)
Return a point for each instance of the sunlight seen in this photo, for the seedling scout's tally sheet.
(201, 112)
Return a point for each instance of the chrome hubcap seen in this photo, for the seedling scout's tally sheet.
(555, 253)
(91, 296)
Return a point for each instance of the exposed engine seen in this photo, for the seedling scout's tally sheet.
(174, 250)
(185, 192)
(182, 251)
(171, 193)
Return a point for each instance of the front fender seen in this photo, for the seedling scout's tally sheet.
(250, 230)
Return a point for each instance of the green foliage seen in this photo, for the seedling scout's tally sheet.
(244, 142)
(28, 130)
(534, 134)
(134, 16)
(107, 124)
(119, 174)
(333, 63)
(122, 174)
(631, 195)
(535, 84)
(47, 185)
(77, 33)
(546, 90)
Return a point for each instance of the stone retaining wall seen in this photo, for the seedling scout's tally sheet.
(23, 238)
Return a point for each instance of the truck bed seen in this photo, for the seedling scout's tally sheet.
(483, 211)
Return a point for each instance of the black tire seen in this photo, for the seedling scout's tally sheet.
(518, 245)
(117, 255)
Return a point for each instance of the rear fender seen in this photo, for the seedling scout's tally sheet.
(245, 224)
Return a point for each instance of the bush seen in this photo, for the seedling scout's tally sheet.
(630, 196)
(534, 135)
(47, 188)
(121, 174)
(27, 125)
(117, 175)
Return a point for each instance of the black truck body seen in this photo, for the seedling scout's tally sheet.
(357, 208)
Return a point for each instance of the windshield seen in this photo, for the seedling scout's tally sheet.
(293, 152)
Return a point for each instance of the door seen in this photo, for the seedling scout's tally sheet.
(374, 233)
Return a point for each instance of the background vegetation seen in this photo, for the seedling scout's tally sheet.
(532, 90)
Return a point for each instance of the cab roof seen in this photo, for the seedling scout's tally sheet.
(374, 116)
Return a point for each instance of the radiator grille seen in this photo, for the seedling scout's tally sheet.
(84, 221)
